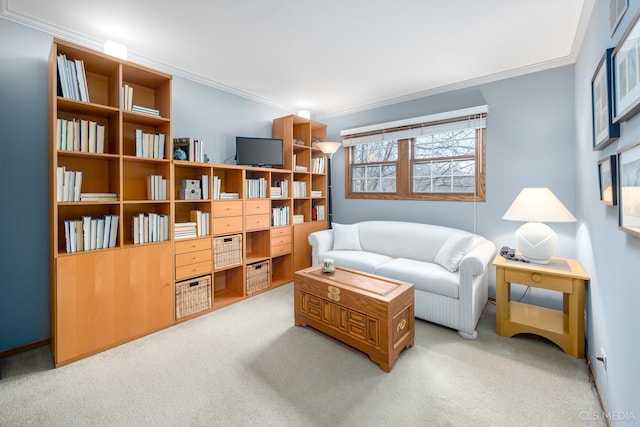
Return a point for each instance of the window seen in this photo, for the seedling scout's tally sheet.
(439, 157)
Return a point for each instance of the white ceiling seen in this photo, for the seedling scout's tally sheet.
(331, 56)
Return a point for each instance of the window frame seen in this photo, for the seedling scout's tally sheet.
(404, 175)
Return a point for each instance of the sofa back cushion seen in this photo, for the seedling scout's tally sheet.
(410, 240)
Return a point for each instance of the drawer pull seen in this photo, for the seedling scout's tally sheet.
(401, 325)
(536, 277)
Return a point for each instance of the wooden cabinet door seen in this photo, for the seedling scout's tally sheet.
(105, 298)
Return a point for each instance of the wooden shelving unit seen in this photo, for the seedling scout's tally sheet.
(103, 297)
(298, 135)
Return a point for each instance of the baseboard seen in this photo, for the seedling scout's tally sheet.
(24, 348)
(592, 375)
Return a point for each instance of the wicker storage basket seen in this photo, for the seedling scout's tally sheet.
(258, 277)
(227, 250)
(193, 296)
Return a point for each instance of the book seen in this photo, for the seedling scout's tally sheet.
(59, 183)
(113, 232)
(86, 232)
(205, 187)
(98, 197)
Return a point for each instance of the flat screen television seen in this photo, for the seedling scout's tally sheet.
(259, 151)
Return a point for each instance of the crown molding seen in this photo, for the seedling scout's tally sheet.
(75, 37)
(490, 78)
(91, 43)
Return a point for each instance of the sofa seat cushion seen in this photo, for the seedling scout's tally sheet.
(356, 260)
(425, 276)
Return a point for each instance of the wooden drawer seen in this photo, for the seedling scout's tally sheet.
(227, 208)
(280, 240)
(232, 224)
(193, 258)
(280, 250)
(193, 270)
(192, 246)
(539, 280)
(255, 207)
(257, 222)
(280, 231)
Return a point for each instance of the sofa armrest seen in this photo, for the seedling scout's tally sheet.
(476, 261)
(321, 241)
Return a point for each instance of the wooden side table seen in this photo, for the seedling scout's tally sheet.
(565, 328)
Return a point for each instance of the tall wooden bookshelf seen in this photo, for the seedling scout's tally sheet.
(107, 296)
(298, 135)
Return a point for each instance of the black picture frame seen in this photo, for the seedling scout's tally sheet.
(605, 131)
(608, 180)
(625, 73)
(629, 190)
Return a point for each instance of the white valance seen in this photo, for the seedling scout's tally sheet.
(468, 118)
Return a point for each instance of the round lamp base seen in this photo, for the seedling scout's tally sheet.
(536, 242)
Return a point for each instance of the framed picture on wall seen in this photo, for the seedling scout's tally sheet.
(608, 180)
(617, 8)
(625, 74)
(604, 130)
(629, 192)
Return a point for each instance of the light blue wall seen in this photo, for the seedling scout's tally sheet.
(609, 255)
(530, 143)
(24, 191)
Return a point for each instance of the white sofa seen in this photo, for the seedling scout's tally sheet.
(449, 268)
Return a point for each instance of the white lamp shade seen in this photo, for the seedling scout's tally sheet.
(538, 204)
(328, 147)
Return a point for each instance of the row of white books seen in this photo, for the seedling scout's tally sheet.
(202, 222)
(317, 213)
(146, 110)
(280, 189)
(156, 187)
(256, 188)
(317, 165)
(280, 216)
(150, 227)
(299, 189)
(218, 194)
(126, 97)
(150, 145)
(89, 233)
(189, 149)
(68, 185)
(72, 79)
(80, 135)
(185, 230)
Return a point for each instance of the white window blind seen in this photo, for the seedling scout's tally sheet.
(468, 118)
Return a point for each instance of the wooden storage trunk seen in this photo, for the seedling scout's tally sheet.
(227, 251)
(258, 277)
(193, 296)
(372, 313)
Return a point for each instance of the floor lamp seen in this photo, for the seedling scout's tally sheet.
(329, 148)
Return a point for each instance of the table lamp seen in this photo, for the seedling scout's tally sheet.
(536, 241)
(329, 148)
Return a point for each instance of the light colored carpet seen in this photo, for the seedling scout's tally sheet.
(248, 364)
